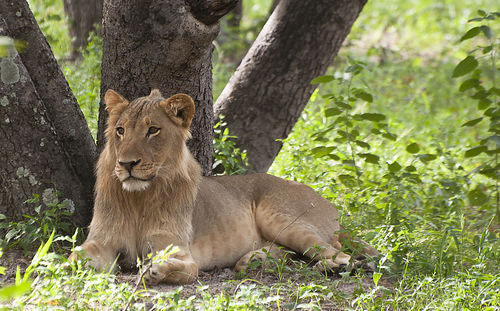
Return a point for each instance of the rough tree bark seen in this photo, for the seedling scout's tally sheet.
(165, 45)
(83, 15)
(270, 88)
(44, 137)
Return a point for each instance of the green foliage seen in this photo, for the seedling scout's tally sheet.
(51, 215)
(413, 192)
(84, 78)
(228, 159)
(481, 87)
(50, 17)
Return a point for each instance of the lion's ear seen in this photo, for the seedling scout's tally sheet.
(181, 108)
(113, 99)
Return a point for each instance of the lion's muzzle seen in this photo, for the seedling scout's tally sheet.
(134, 177)
(129, 165)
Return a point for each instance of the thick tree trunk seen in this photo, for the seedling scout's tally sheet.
(270, 88)
(165, 45)
(83, 15)
(45, 140)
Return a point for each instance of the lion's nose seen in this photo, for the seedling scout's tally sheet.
(129, 165)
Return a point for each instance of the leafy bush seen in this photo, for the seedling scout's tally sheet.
(413, 192)
(84, 78)
(228, 159)
(51, 215)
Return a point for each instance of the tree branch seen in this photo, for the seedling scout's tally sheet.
(210, 11)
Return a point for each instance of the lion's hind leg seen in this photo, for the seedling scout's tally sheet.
(302, 238)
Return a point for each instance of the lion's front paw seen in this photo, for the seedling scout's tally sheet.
(160, 273)
(153, 276)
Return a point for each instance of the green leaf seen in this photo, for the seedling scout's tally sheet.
(483, 103)
(471, 33)
(490, 172)
(468, 84)
(413, 148)
(487, 49)
(473, 122)
(467, 65)
(426, 157)
(53, 17)
(376, 277)
(343, 105)
(347, 180)
(394, 167)
(322, 79)
(13, 291)
(472, 152)
(343, 133)
(477, 19)
(18, 276)
(490, 112)
(477, 197)
(389, 136)
(370, 158)
(328, 96)
(364, 95)
(333, 157)
(481, 94)
(354, 69)
(487, 31)
(362, 144)
(321, 151)
(342, 119)
(334, 111)
(374, 117)
(410, 168)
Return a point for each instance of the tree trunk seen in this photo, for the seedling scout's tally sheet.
(270, 88)
(273, 6)
(165, 45)
(45, 140)
(83, 15)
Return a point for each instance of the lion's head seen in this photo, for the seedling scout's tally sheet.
(146, 137)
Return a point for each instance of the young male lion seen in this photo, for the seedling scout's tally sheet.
(150, 194)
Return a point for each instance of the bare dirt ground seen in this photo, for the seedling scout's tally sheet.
(223, 280)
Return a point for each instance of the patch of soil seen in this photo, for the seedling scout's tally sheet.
(223, 280)
(10, 260)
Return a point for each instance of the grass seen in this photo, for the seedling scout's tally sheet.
(415, 193)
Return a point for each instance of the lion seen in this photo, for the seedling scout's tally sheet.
(150, 194)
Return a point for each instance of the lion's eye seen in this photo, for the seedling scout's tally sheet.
(120, 131)
(152, 130)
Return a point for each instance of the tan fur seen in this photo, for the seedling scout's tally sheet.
(215, 221)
